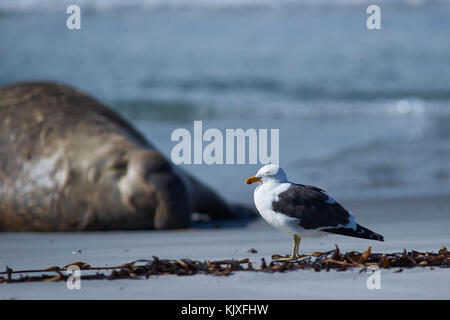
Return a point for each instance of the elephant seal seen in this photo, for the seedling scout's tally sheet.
(67, 163)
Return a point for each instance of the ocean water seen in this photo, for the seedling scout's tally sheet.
(361, 113)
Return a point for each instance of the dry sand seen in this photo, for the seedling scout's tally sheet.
(412, 223)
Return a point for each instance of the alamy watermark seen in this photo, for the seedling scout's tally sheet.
(74, 20)
(215, 147)
(74, 280)
(374, 280)
(374, 20)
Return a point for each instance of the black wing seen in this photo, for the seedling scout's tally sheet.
(315, 209)
(312, 206)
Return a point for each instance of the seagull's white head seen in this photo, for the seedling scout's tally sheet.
(268, 173)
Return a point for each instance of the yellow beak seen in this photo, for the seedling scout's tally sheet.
(252, 180)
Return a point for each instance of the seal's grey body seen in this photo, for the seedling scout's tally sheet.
(67, 162)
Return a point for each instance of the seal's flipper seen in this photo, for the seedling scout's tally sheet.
(206, 201)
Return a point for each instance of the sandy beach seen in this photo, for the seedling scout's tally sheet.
(411, 223)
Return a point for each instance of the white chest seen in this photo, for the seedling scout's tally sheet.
(264, 196)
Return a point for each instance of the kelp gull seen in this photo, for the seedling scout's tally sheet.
(302, 210)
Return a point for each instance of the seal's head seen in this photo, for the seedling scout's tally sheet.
(138, 184)
(150, 185)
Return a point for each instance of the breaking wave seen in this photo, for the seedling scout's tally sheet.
(31, 6)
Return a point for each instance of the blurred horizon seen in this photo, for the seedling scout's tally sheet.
(123, 6)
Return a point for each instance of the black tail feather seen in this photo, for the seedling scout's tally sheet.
(360, 232)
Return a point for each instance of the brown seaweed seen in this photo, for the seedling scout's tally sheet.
(318, 261)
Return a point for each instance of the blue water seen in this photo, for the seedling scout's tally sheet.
(361, 113)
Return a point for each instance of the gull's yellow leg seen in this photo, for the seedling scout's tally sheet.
(294, 255)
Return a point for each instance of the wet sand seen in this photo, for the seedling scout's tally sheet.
(419, 223)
